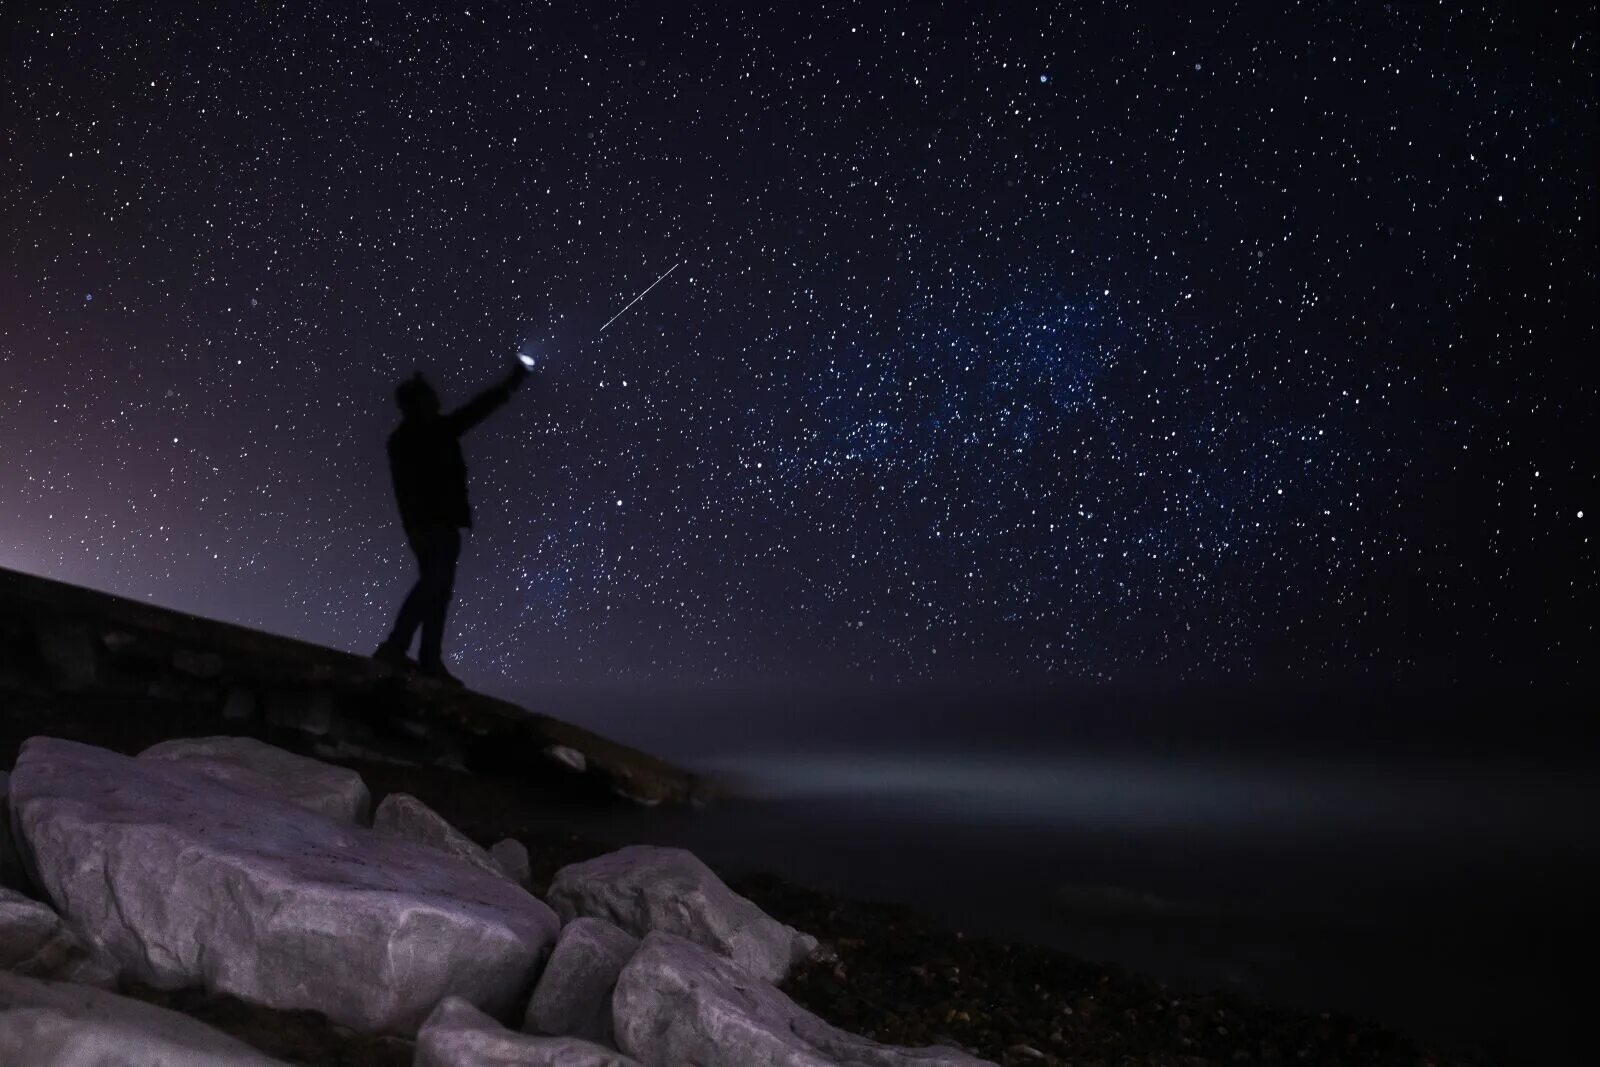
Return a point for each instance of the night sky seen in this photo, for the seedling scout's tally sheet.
(1011, 342)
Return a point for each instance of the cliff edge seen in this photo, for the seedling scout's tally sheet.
(82, 664)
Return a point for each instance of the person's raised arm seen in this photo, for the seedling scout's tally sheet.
(485, 403)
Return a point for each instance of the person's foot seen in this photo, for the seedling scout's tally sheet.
(394, 656)
(437, 672)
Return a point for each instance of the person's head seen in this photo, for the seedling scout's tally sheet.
(416, 398)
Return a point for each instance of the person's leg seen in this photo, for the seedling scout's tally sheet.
(415, 603)
(441, 570)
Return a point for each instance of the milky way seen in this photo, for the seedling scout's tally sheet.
(1010, 342)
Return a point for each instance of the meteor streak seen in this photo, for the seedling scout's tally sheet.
(638, 298)
(530, 352)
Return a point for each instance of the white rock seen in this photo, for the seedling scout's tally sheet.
(574, 992)
(185, 881)
(568, 757)
(643, 888)
(54, 1024)
(459, 1035)
(512, 856)
(34, 941)
(403, 816)
(256, 767)
(677, 1003)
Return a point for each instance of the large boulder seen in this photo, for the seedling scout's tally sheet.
(574, 993)
(34, 941)
(403, 816)
(256, 767)
(459, 1035)
(53, 1024)
(185, 881)
(643, 888)
(677, 1003)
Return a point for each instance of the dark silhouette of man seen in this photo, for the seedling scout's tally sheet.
(430, 485)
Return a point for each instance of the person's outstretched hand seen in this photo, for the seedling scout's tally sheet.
(519, 373)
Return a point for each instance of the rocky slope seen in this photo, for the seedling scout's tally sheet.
(125, 675)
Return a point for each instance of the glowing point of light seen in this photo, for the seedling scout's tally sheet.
(527, 360)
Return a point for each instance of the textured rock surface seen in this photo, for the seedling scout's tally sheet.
(677, 1003)
(643, 888)
(34, 941)
(404, 817)
(574, 993)
(256, 767)
(459, 1035)
(185, 881)
(53, 1024)
(512, 856)
(11, 873)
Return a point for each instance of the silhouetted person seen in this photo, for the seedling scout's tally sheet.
(430, 485)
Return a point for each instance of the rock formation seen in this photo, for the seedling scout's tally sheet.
(250, 765)
(405, 818)
(643, 888)
(677, 1003)
(228, 866)
(574, 993)
(182, 880)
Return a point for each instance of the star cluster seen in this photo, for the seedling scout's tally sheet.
(1010, 341)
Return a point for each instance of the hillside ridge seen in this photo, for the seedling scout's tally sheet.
(80, 663)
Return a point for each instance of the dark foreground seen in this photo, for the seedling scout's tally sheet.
(884, 972)
(79, 664)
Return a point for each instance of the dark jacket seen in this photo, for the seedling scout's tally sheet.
(430, 475)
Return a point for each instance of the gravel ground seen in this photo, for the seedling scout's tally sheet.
(894, 976)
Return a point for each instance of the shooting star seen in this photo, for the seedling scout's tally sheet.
(638, 298)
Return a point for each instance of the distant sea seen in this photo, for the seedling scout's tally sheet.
(1433, 868)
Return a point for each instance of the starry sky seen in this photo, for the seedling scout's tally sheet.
(1010, 342)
